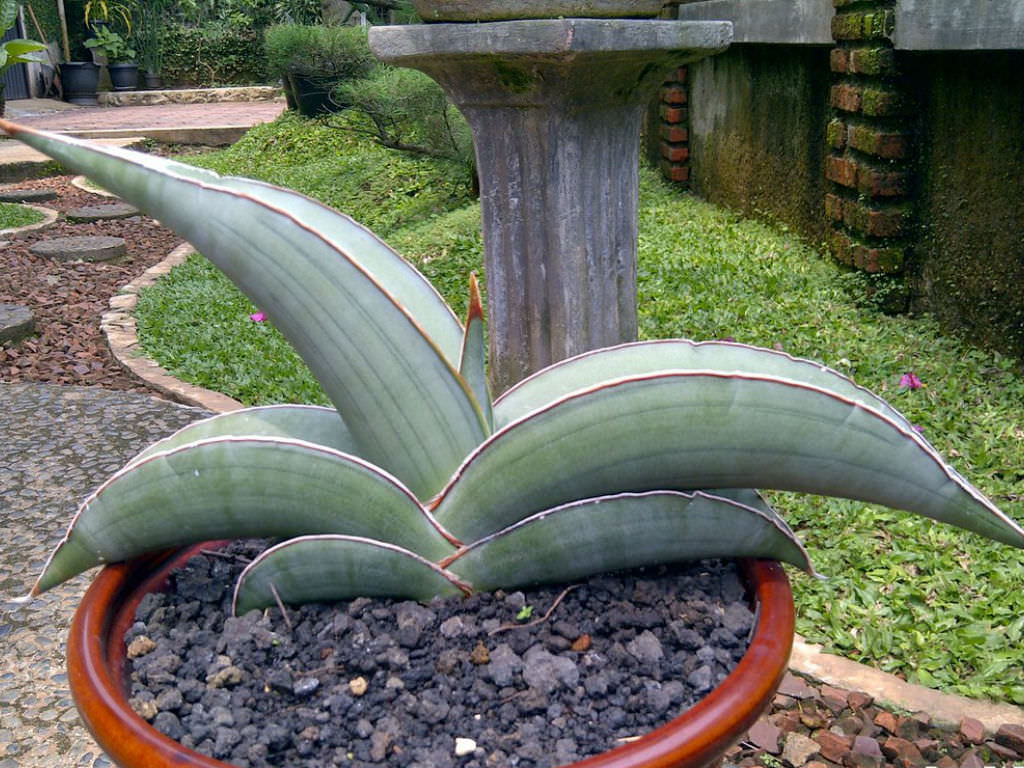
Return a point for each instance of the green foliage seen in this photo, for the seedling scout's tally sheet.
(381, 189)
(318, 51)
(111, 43)
(16, 51)
(117, 12)
(218, 53)
(407, 110)
(14, 215)
(46, 14)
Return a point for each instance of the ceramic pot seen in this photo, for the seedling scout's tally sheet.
(698, 737)
(505, 10)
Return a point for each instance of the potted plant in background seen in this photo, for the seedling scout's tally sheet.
(313, 59)
(147, 40)
(587, 465)
(18, 51)
(119, 55)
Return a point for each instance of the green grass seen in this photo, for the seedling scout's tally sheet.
(15, 215)
(928, 602)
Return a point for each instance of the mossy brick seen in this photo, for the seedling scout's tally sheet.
(882, 183)
(863, 25)
(841, 246)
(673, 133)
(883, 102)
(841, 170)
(834, 207)
(879, 61)
(885, 144)
(846, 97)
(875, 221)
(835, 134)
(886, 260)
(677, 76)
(839, 60)
(672, 115)
(674, 172)
(673, 94)
(675, 153)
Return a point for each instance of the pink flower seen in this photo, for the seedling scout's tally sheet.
(909, 380)
(258, 317)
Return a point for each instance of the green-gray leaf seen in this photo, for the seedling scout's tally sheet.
(332, 294)
(602, 365)
(238, 488)
(624, 531)
(309, 423)
(329, 568)
(684, 430)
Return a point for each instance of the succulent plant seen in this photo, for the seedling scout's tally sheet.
(416, 484)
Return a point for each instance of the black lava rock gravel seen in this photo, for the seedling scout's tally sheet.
(453, 682)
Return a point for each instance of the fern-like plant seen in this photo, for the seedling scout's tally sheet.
(417, 484)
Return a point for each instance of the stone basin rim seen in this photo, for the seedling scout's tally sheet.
(539, 37)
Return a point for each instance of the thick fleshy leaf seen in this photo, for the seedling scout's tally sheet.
(309, 423)
(637, 359)
(337, 299)
(473, 362)
(624, 531)
(329, 568)
(240, 488)
(685, 430)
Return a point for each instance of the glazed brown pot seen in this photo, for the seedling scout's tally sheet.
(698, 737)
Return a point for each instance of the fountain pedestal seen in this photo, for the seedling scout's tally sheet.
(555, 106)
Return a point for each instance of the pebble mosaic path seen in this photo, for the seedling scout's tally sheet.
(59, 444)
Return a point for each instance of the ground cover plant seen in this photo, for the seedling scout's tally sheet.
(14, 215)
(938, 607)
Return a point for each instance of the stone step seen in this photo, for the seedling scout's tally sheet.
(104, 212)
(16, 323)
(84, 248)
(27, 195)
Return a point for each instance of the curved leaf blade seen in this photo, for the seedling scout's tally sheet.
(473, 360)
(680, 430)
(309, 423)
(369, 352)
(646, 357)
(240, 487)
(624, 531)
(328, 568)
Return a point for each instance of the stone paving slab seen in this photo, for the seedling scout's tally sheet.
(89, 248)
(59, 444)
(16, 322)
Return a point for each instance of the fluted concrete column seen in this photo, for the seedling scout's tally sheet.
(556, 107)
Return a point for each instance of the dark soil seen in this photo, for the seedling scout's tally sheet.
(372, 681)
(67, 299)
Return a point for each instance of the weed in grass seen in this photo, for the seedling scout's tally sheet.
(930, 603)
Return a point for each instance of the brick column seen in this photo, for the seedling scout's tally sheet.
(673, 126)
(869, 138)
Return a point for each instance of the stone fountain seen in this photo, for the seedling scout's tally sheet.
(556, 106)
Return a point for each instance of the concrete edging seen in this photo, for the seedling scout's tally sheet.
(807, 659)
(119, 327)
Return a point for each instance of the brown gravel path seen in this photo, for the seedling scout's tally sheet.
(67, 299)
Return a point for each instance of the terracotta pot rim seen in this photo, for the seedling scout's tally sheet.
(697, 737)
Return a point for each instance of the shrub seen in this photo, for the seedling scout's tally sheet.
(407, 110)
(216, 54)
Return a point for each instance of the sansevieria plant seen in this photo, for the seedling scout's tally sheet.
(416, 484)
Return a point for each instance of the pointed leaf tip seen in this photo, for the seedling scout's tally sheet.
(476, 304)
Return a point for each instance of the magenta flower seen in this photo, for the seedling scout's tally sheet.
(909, 380)
(258, 317)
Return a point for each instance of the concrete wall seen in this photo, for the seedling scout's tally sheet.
(923, 25)
(796, 22)
(967, 254)
(757, 120)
